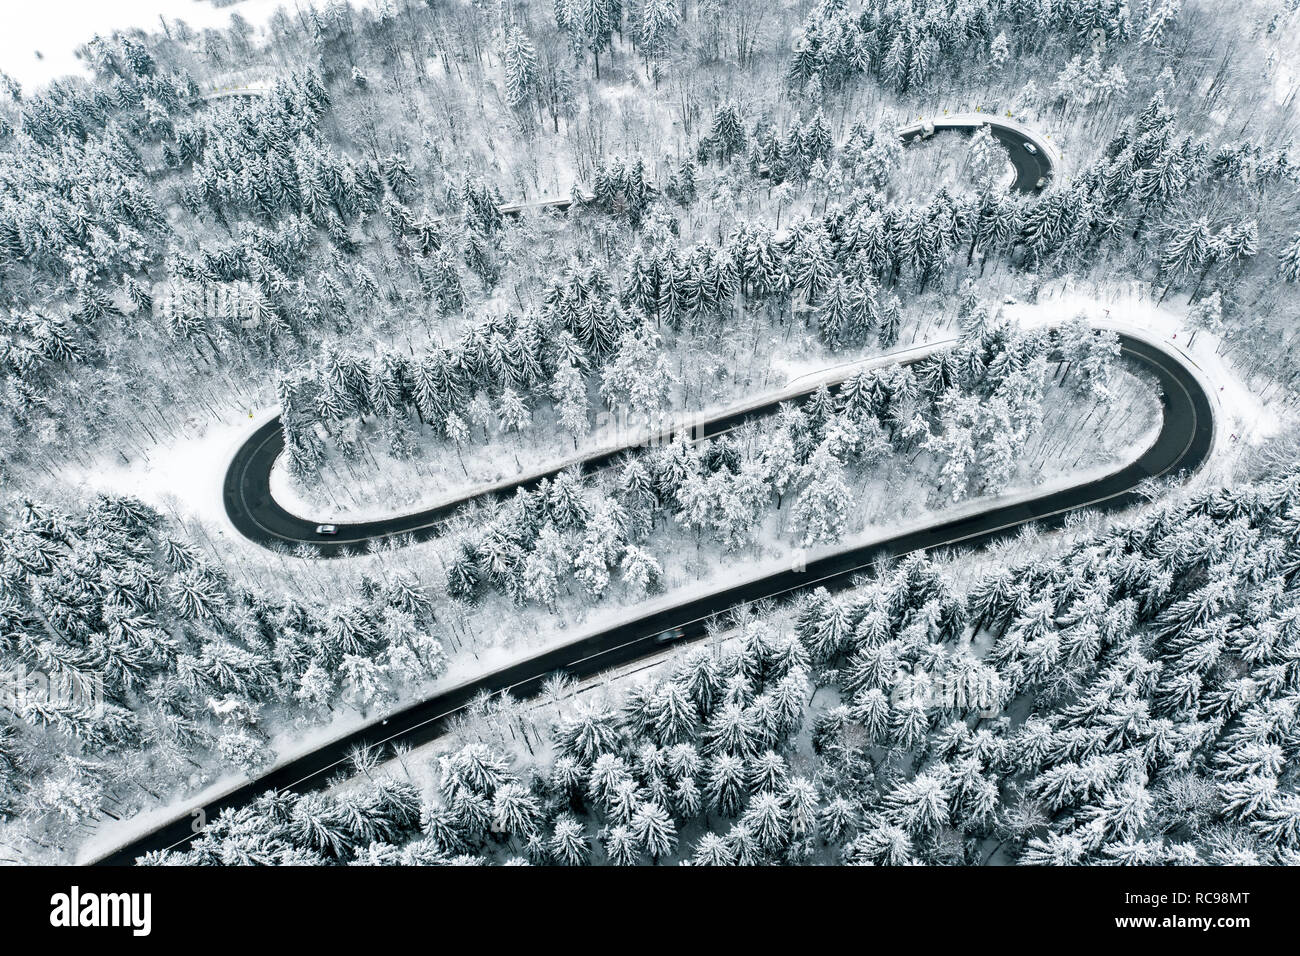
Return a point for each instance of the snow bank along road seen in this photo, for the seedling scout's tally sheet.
(1185, 440)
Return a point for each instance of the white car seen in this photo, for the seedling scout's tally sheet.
(327, 529)
(1031, 148)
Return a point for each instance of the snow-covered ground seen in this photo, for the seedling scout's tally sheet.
(110, 834)
(942, 160)
(1127, 308)
(184, 475)
(38, 41)
(359, 496)
(1243, 418)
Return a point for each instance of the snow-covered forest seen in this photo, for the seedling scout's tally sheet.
(1125, 696)
(911, 384)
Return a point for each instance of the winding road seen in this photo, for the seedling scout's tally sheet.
(254, 512)
(1185, 439)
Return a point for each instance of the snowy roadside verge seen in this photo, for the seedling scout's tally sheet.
(185, 476)
(1124, 309)
(1041, 139)
(1242, 413)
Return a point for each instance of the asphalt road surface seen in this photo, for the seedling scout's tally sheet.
(1032, 165)
(1185, 440)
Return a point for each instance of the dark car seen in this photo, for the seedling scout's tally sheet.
(670, 635)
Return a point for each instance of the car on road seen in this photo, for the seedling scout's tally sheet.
(1031, 149)
(327, 529)
(670, 635)
(1042, 181)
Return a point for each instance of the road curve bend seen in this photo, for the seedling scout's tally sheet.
(1185, 440)
(1032, 154)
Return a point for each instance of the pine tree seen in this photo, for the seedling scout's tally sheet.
(1189, 248)
(639, 379)
(457, 433)
(589, 23)
(570, 393)
(641, 571)
(521, 78)
(654, 830)
(890, 322)
(514, 412)
(822, 508)
(727, 134)
(568, 842)
(894, 67)
(1289, 260)
(987, 160)
(833, 313)
(658, 25)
